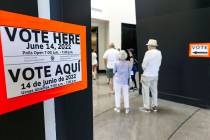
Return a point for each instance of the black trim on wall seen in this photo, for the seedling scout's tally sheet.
(151, 8)
(24, 124)
(128, 36)
(184, 100)
(175, 24)
(27, 7)
(74, 113)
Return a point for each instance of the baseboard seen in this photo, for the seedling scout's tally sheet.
(185, 100)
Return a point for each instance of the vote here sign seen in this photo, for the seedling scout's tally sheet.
(40, 59)
(201, 50)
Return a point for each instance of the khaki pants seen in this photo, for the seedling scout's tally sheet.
(149, 84)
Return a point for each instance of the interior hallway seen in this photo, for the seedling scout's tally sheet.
(174, 121)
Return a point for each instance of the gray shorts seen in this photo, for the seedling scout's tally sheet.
(109, 73)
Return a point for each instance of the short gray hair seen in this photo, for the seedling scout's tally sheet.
(123, 55)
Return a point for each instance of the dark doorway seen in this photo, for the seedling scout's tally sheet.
(94, 42)
(129, 40)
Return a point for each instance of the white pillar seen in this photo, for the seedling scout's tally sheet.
(115, 32)
(49, 106)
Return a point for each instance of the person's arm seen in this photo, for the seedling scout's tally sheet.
(105, 59)
(161, 58)
(105, 62)
(145, 61)
(117, 54)
(115, 68)
(96, 58)
(131, 63)
(129, 69)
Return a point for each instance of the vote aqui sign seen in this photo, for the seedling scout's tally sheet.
(40, 59)
(201, 50)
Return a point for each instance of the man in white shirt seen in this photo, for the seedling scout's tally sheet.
(149, 79)
(110, 58)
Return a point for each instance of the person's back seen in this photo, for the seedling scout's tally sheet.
(149, 79)
(122, 72)
(121, 76)
(152, 63)
(112, 56)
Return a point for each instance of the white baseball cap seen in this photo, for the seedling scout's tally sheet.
(152, 42)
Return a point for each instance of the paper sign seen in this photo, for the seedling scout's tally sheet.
(40, 59)
(199, 50)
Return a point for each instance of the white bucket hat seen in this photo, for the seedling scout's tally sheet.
(152, 42)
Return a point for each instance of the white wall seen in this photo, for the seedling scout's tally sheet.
(116, 12)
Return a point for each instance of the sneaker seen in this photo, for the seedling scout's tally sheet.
(131, 88)
(155, 108)
(135, 88)
(127, 111)
(144, 110)
(117, 110)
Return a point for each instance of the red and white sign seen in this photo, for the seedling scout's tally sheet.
(40, 59)
(201, 50)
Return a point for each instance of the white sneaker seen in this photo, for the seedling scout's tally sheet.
(117, 110)
(144, 110)
(127, 111)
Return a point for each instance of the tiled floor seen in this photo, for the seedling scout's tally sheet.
(173, 122)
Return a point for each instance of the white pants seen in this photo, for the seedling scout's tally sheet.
(118, 88)
(149, 84)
